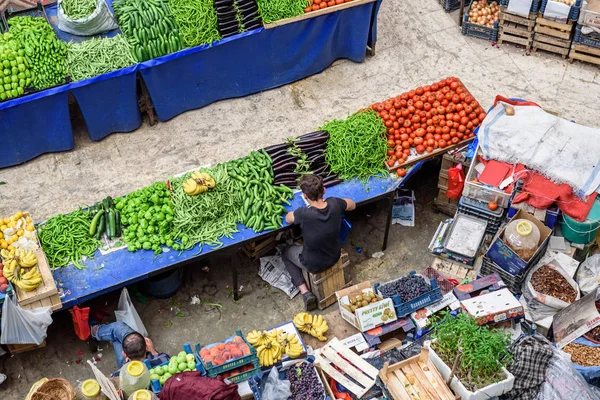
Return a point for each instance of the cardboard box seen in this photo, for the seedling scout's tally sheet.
(373, 336)
(469, 290)
(494, 307)
(421, 317)
(590, 13)
(508, 260)
(368, 317)
(356, 342)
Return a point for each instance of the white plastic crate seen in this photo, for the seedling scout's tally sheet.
(590, 13)
(479, 191)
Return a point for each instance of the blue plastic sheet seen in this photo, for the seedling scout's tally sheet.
(255, 61)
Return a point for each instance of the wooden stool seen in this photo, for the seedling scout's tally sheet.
(324, 284)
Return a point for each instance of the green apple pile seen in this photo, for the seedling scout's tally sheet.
(182, 362)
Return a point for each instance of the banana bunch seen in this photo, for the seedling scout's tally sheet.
(18, 256)
(314, 325)
(291, 345)
(27, 281)
(269, 354)
(257, 338)
(200, 182)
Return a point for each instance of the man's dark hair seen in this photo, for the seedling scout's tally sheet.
(312, 186)
(134, 346)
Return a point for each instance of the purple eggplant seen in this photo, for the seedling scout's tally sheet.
(276, 147)
(312, 134)
(316, 160)
(284, 166)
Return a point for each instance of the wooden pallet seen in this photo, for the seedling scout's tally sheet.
(584, 53)
(21, 348)
(414, 379)
(554, 29)
(453, 269)
(528, 22)
(256, 250)
(339, 362)
(550, 48)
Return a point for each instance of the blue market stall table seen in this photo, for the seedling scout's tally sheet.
(234, 67)
(106, 273)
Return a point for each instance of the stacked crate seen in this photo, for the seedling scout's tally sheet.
(586, 47)
(442, 202)
(516, 29)
(553, 36)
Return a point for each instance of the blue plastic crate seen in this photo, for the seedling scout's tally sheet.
(592, 40)
(449, 5)
(214, 370)
(478, 31)
(535, 5)
(404, 309)
(573, 11)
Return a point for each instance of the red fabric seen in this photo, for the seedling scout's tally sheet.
(191, 385)
(543, 193)
(514, 102)
(456, 182)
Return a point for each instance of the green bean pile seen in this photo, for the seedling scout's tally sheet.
(357, 146)
(77, 9)
(98, 56)
(65, 238)
(206, 218)
(44, 53)
(197, 21)
(274, 10)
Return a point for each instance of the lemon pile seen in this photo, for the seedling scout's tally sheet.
(17, 231)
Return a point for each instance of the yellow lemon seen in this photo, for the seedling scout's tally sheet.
(3, 227)
(6, 221)
(28, 220)
(20, 232)
(11, 224)
(30, 227)
(10, 247)
(3, 244)
(14, 238)
(9, 241)
(19, 214)
(1, 235)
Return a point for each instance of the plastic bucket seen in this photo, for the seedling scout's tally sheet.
(582, 232)
(163, 286)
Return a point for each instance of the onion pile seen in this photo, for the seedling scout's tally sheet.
(482, 13)
(567, 2)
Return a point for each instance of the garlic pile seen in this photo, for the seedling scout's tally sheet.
(485, 14)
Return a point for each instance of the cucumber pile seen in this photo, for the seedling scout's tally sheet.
(149, 27)
(106, 219)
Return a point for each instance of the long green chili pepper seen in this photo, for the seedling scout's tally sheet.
(357, 145)
(98, 56)
(65, 238)
(77, 9)
(274, 10)
(197, 21)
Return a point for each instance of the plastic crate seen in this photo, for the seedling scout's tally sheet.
(257, 381)
(513, 282)
(155, 385)
(36, 11)
(472, 207)
(214, 370)
(449, 5)
(535, 5)
(479, 31)
(573, 11)
(445, 283)
(404, 309)
(592, 40)
(479, 191)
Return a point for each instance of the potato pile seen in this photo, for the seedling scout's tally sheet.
(482, 13)
(361, 300)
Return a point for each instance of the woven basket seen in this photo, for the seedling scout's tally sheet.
(54, 389)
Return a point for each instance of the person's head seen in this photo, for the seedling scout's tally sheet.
(312, 187)
(134, 347)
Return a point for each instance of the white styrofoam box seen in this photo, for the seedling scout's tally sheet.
(590, 13)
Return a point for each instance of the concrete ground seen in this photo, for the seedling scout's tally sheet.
(418, 43)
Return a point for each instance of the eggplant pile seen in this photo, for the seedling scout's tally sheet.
(306, 155)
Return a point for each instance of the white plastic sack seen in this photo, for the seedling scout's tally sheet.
(127, 313)
(21, 326)
(588, 274)
(275, 388)
(541, 305)
(563, 382)
(272, 270)
(100, 21)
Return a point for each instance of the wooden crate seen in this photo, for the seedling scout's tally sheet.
(584, 53)
(21, 348)
(339, 362)
(256, 250)
(324, 284)
(415, 378)
(453, 269)
(554, 29)
(52, 301)
(46, 289)
(442, 202)
(553, 36)
(516, 29)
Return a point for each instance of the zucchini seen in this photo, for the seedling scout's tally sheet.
(94, 225)
(101, 227)
(117, 224)
(111, 224)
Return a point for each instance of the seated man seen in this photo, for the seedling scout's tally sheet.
(320, 223)
(128, 344)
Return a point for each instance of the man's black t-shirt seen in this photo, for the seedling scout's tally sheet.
(321, 231)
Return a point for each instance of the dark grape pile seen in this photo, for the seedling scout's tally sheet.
(408, 287)
(305, 384)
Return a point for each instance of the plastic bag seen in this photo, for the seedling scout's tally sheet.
(456, 182)
(272, 270)
(540, 305)
(100, 21)
(563, 382)
(127, 313)
(81, 325)
(20, 326)
(275, 388)
(588, 274)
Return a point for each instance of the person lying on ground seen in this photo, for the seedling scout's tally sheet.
(320, 223)
(128, 344)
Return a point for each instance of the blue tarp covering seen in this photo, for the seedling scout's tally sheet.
(189, 79)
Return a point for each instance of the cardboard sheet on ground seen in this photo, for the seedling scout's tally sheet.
(559, 149)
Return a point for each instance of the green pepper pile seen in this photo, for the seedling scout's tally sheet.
(15, 75)
(147, 215)
(44, 53)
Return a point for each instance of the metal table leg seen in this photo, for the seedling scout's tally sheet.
(235, 264)
(388, 223)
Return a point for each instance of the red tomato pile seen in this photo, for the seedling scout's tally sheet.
(427, 118)
(319, 4)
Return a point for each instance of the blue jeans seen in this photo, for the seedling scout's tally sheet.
(114, 332)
